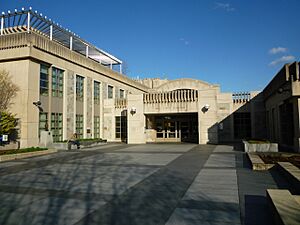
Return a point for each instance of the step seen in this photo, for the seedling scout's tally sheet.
(285, 209)
(292, 173)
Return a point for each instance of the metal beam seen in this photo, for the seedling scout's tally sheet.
(2, 25)
(28, 22)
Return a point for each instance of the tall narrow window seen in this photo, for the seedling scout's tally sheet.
(110, 91)
(79, 87)
(44, 80)
(79, 125)
(57, 126)
(242, 125)
(97, 127)
(43, 121)
(96, 92)
(118, 126)
(122, 93)
(57, 82)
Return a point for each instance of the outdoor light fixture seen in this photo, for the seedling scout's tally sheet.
(38, 104)
(133, 110)
(205, 108)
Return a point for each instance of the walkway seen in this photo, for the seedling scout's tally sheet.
(135, 184)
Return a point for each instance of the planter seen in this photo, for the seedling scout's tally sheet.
(26, 155)
(260, 147)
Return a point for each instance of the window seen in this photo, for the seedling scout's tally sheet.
(57, 126)
(79, 126)
(44, 80)
(57, 82)
(43, 121)
(110, 91)
(242, 125)
(97, 127)
(79, 87)
(118, 126)
(122, 93)
(96, 92)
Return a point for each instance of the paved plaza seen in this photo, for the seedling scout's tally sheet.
(120, 184)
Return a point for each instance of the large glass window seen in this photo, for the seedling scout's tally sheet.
(97, 127)
(110, 91)
(57, 126)
(79, 125)
(96, 92)
(44, 80)
(79, 87)
(57, 82)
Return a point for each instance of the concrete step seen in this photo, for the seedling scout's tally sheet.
(292, 174)
(284, 207)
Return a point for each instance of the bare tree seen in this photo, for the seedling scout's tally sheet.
(8, 90)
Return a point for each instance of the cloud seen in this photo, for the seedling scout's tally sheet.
(283, 59)
(186, 42)
(225, 6)
(274, 51)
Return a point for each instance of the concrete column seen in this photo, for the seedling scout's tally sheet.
(136, 121)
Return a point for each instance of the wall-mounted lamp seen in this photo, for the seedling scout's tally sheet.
(133, 110)
(205, 108)
(38, 104)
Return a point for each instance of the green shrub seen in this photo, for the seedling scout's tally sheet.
(22, 150)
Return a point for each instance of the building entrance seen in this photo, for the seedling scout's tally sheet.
(174, 128)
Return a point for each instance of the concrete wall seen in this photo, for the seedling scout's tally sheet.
(23, 63)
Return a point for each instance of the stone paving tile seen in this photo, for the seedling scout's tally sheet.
(183, 216)
(159, 148)
(223, 148)
(130, 158)
(11, 201)
(49, 156)
(51, 210)
(221, 160)
(10, 163)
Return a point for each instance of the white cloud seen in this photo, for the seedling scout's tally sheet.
(283, 59)
(225, 6)
(274, 51)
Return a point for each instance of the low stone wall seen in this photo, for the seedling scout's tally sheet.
(265, 147)
(83, 144)
(25, 155)
(257, 163)
(11, 145)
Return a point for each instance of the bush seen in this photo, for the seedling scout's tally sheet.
(23, 150)
(8, 124)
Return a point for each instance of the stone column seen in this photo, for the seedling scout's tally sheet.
(136, 120)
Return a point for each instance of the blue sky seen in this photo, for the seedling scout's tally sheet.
(239, 44)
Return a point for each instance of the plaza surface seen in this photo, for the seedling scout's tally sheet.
(120, 184)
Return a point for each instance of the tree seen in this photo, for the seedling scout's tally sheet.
(8, 90)
(8, 124)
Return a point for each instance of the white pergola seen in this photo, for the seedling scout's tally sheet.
(29, 20)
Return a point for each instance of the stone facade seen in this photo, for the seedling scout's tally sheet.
(153, 110)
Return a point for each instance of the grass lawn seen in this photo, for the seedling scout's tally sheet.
(23, 150)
